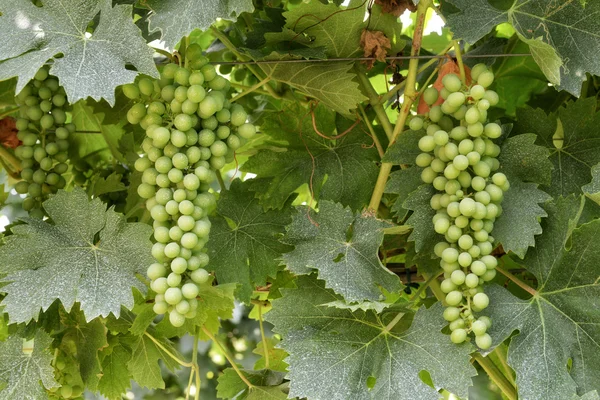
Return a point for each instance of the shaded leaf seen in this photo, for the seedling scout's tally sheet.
(592, 189)
(403, 182)
(344, 249)
(243, 245)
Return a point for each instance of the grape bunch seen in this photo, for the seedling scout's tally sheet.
(459, 158)
(191, 130)
(44, 133)
(66, 373)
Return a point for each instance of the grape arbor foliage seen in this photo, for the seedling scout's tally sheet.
(299, 199)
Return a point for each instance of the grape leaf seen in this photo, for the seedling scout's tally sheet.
(558, 325)
(519, 222)
(243, 245)
(177, 18)
(521, 159)
(338, 30)
(403, 182)
(276, 356)
(89, 338)
(580, 148)
(231, 385)
(592, 189)
(561, 35)
(418, 201)
(405, 149)
(332, 83)
(143, 365)
(22, 375)
(110, 184)
(344, 248)
(115, 379)
(90, 255)
(355, 352)
(341, 170)
(91, 64)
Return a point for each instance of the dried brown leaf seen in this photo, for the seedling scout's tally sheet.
(375, 44)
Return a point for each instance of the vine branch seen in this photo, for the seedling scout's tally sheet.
(517, 281)
(496, 376)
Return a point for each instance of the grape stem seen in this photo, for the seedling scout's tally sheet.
(251, 89)
(382, 117)
(195, 371)
(223, 39)
(502, 360)
(409, 98)
(228, 357)
(392, 92)
(262, 335)
(397, 230)
(459, 60)
(517, 281)
(371, 131)
(8, 112)
(167, 352)
(220, 180)
(10, 159)
(496, 376)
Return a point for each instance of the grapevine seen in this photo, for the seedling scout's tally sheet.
(300, 199)
(192, 130)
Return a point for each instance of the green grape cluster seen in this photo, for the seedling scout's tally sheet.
(191, 130)
(44, 134)
(66, 373)
(459, 158)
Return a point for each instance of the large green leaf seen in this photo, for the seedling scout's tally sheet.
(561, 35)
(146, 352)
(343, 248)
(403, 182)
(556, 352)
(341, 170)
(331, 83)
(90, 255)
(338, 30)
(22, 375)
(340, 354)
(264, 383)
(115, 379)
(91, 64)
(592, 189)
(580, 147)
(178, 18)
(243, 245)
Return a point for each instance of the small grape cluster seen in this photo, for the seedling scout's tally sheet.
(191, 130)
(44, 134)
(67, 375)
(459, 158)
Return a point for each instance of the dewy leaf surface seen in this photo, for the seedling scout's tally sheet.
(347, 262)
(177, 18)
(22, 375)
(92, 65)
(555, 31)
(334, 353)
(341, 170)
(561, 323)
(580, 149)
(90, 255)
(243, 245)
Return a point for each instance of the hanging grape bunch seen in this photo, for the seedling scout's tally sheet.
(44, 134)
(191, 130)
(460, 159)
(66, 373)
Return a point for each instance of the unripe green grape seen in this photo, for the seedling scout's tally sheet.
(447, 286)
(161, 234)
(182, 76)
(174, 279)
(456, 99)
(465, 242)
(183, 307)
(202, 228)
(452, 187)
(200, 276)
(146, 191)
(485, 79)
(493, 130)
(451, 172)
(458, 336)
(477, 70)
(477, 92)
(160, 285)
(430, 95)
(479, 327)
(189, 240)
(454, 298)
(176, 319)
(186, 223)
(246, 131)
(146, 86)
(458, 277)
(172, 250)
(435, 113)
(160, 308)
(441, 226)
(175, 233)
(472, 116)
(149, 176)
(451, 314)
(440, 247)
(484, 341)
(416, 124)
(450, 255)
(489, 275)
(437, 165)
(473, 158)
(464, 259)
(444, 93)
(491, 97)
(471, 280)
(449, 267)
(480, 211)
(209, 72)
(440, 183)
(478, 268)
(457, 324)
(482, 169)
(454, 233)
(452, 82)
(481, 300)
(496, 194)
